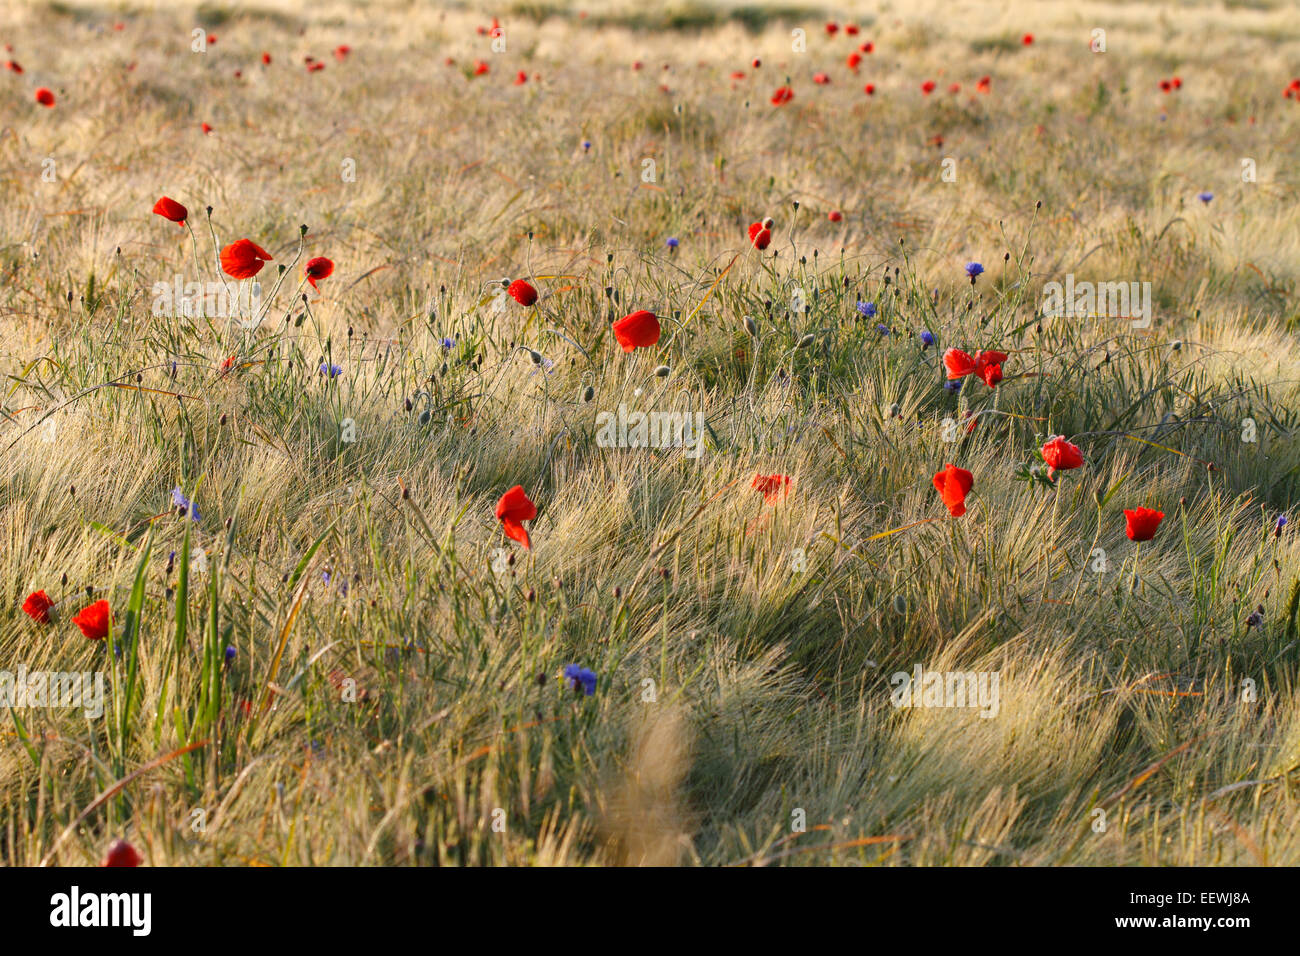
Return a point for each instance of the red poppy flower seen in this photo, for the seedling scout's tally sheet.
(637, 64)
(521, 78)
(44, 97)
(821, 79)
(1141, 523)
(1166, 86)
(851, 29)
(638, 330)
(953, 485)
(227, 364)
(238, 74)
(315, 67)
(757, 63)
(1027, 39)
(760, 233)
(341, 51)
(205, 127)
(212, 38)
(988, 366)
(868, 47)
(737, 74)
(266, 59)
(832, 28)
(927, 87)
(1178, 83)
(782, 96)
(37, 607)
(1061, 455)
(854, 59)
(318, 268)
(869, 89)
(522, 292)
(480, 68)
(14, 65)
(990, 372)
(514, 508)
(773, 487)
(936, 140)
(835, 215)
(984, 85)
(170, 209)
(243, 259)
(122, 853)
(958, 363)
(954, 88)
(93, 620)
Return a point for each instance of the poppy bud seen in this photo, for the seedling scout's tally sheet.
(535, 356)
(900, 604)
(1177, 345)
(541, 679)
(222, 420)
(408, 405)
(64, 581)
(662, 371)
(531, 596)
(806, 341)
(406, 493)
(751, 326)
(588, 394)
(302, 230)
(511, 559)
(618, 593)
(894, 410)
(424, 417)
(209, 210)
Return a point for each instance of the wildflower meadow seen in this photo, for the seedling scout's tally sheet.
(686, 434)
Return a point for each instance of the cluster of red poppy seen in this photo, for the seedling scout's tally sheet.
(986, 365)
(1168, 86)
(93, 619)
(954, 484)
(1292, 91)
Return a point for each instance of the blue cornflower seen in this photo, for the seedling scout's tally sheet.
(230, 652)
(448, 342)
(953, 386)
(1279, 524)
(927, 338)
(586, 145)
(973, 269)
(867, 309)
(672, 242)
(1205, 197)
(883, 329)
(575, 676)
(180, 501)
(330, 370)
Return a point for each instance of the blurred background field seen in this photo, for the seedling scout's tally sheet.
(736, 695)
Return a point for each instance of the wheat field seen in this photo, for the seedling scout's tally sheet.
(323, 648)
